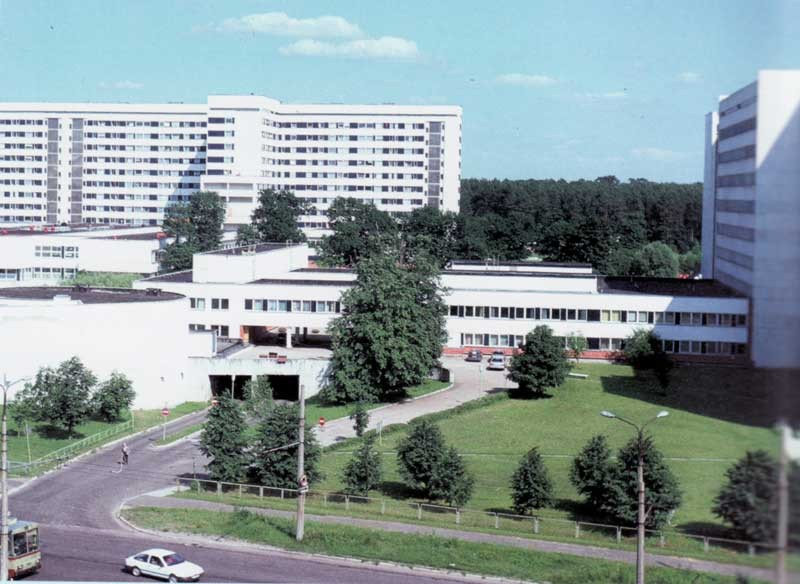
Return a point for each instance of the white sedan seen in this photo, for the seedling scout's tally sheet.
(165, 564)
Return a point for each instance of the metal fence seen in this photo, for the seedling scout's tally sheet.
(540, 526)
(70, 450)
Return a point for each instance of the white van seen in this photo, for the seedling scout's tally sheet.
(497, 362)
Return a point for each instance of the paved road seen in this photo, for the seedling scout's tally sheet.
(82, 540)
(470, 383)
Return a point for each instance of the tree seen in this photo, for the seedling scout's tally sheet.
(275, 219)
(196, 227)
(450, 481)
(657, 259)
(577, 344)
(542, 365)
(662, 493)
(275, 451)
(360, 230)
(360, 417)
(591, 471)
(24, 407)
(644, 351)
(363, 472)
(390, 333)
(246, 235)
(418, 454)
(258, 399)
(689, 262)
(749, 501)
(64, 394)
(223, 441)
(531, 487)
(430, 233)
(112, 397)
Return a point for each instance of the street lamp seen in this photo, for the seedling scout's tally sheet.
(5, 386)
(640, 519)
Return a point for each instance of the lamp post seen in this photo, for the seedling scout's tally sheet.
(4, 481)
(640, 518)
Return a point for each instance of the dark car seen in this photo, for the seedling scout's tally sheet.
(474, 355)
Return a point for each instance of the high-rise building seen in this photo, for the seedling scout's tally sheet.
(124, 164)
(751, 209)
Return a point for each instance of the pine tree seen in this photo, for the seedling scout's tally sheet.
(450, 480)
(419, 453)
(223, 441)
(542, 365)
(531, 487)
(360, 417)
(363, 472)
(258, 397)
(275, 465)
(662, 493)
(591, 471)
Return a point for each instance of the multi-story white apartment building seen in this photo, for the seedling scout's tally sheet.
(123, 164)
(751, 209)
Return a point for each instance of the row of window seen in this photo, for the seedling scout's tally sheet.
(268, 305)
(610, 344)
(588, 315)
(21, 122)
(140, 124)
(139, 172)
(351, 125)
(145, 185)
(130, 136)
(222, 330)
(132, 160)
(132, 148)
(216, 303)
(56, 251)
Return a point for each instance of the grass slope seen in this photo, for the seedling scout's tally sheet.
(418, 550)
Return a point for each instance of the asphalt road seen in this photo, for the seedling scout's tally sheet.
(83, 541)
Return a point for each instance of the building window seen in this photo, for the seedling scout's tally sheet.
(197, 303)
(219, 304)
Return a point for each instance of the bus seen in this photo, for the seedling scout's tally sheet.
(24, 556)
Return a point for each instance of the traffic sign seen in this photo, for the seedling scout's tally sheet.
(321, 422)
(165, 412)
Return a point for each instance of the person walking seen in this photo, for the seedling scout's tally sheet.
(125, 453)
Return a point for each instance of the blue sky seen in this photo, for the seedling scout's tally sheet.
(557, 89)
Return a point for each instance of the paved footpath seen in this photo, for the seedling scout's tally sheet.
(585, 551)
(470, 383)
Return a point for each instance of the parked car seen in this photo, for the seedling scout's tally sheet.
(474, 355)
(497, 362)
(165, 564)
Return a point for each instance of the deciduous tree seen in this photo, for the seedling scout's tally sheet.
(196, 227)
(113, 396)
(64, 394)
(360, 417)
(450, 481)
(577, 344)
(360, 230)
(276, 216)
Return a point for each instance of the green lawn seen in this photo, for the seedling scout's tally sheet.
(316, 409)
(103, 279)
(436, 552)
(45, 438)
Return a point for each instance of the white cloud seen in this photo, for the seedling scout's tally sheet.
(381, 48)
(607, 95)
(121, 85)
(690, 77)
(281, 24)
(525, 80)
(660, 154)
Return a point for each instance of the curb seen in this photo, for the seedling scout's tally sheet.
(175, 442)
(92, 451)
(347, 561)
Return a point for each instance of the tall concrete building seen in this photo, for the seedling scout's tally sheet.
(123, 164)
(751, 209)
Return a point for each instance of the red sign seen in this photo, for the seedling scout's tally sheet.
(214, 401)
(321, 422)
(165, 412)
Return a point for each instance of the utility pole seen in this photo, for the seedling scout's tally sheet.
(641, 516)
(783, 507)
(4, 481)
(301, 475)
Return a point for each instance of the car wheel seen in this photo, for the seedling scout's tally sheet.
(136, 571)
(173, 578)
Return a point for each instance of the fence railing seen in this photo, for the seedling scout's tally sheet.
(70, 450)
(530, 525)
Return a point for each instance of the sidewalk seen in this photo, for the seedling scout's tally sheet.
(586, 551)
(470, 384)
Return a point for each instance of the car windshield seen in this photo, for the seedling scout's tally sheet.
(173, 559)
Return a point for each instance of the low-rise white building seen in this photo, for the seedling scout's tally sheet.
(51, 254)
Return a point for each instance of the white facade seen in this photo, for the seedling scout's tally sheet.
(123, 164)
(45, 326)
(751, 234)
(41, 254)
(488, 307)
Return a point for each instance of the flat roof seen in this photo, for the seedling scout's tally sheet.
(305, 282)
(510, 274)
(137, 236)
(665, 287)
(87, 295)
(83, 229)
(531, 264)
(250, 249)
(184, 276)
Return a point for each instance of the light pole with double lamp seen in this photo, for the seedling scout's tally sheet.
(640, 519)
